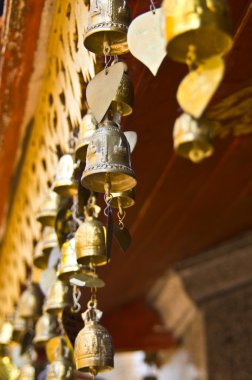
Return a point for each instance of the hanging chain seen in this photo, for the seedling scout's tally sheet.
(121, 216)
(76, 297)
(152, 6)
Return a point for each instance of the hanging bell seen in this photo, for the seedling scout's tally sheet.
(19, 327)
(61, 368)
(90, 242)
(68, 265)
(40, 259)
(108, 161)
(64, 184)
(124, 99)
(107, 27)
(6, 332)
(87, 128)
(196, 30)
(93, 347)
(46, 328)
(49, 241)
(30, 303)
(193, 138)
(49, 208)
(59, 297)
(27, 372)
(123, 200)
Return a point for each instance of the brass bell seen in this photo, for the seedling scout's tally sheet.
(48, 210)
(61, 368)
(90, 242)
(64, 184)
(196, 30)
(108, 160)
(59, 297)
(124, 99)
(40, 259)
(68, 265)
(123, 200)
(46, 328)
(193, 138)
(87, 128)
(49, 240)
(30, 303)
(6, 333)
(93, 347)
(27, 372)
(107, 27)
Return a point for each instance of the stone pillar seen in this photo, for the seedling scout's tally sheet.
(218, 284)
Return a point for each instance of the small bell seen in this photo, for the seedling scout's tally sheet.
(123, 200)
(30, 303)
(46, 328)
(61, 368)
(59, 297)
(193, 138)
(107, 27)
(64, 185)
(40, 259)
(48, 211)
(19, 327)
(6, 333)
(87, 128)
(196, 30)
(68, 266)
(49, 241)
(90, 242)
(108, 160)
(93, 347)
(27, 372)
(124, 99)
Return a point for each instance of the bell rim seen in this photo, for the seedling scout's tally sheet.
(112, 27)
(81, 151)
(65, 188)
(127, 200)
(41, 261)
(68, 272)
(126, 109)
(46, 217)
(94, 259)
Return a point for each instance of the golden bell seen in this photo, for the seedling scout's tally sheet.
(108, 160)
(46, 328)
(59, 297)
(61, 368)
(93, 347)
(87, 128)
(68, 262)
(40, 259)
(197, 28)
(49, 208)
(124, 199)
(30, 303)
(107, 27)
(64, 185)
(124, 99)
(6, 333)
(27, 372)
(193, 138)
(90, 242)
(49, 240)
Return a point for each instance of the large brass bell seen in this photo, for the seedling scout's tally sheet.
(193, 138)
(108, 160)
(196, 29)
(40, 259)
(87, 128)
(93, 348)
(123, 200)
(46, 328)
(124, 99)
(61, 368)
(64, 184)
(90, 242)
(49, 240)
(68, 265)
(59, 297)
(48, 210)
(27, 372)
(107, 27)
(6, 333)
(30, 303)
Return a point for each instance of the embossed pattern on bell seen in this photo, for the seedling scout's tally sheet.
(68, 265)
(46, 328)
(90, 243)
(107, 27)
(124, 99)
(87, 128)
(108, 154)
(189, 24)
(59, 297)
(64, 184)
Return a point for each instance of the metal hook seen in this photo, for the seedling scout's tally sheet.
(76, 297)
(152, 6)
(121, 216)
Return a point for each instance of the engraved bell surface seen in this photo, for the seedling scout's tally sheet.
(59, 297)
(107, 27)
(48, 210)
(64, 185)
(193, 138)
(90, 242)
(197, 27)
(87, 128)
(93, 348)
(46, 328)
(68, 265)
(108, 160)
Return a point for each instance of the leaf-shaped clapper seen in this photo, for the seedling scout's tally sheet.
(145, 39)
(102, 89)
(123, 237)
(198, 87)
